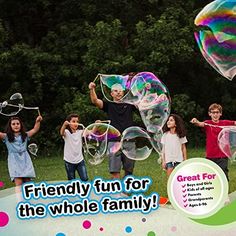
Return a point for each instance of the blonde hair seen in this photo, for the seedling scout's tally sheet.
(215, 106)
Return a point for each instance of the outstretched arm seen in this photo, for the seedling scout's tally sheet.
(63, 127)
(184, 151)
(93, 96)
(163, 158)
(198, 123)
(36, 126)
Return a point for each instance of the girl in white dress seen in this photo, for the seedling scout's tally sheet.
(174, 143)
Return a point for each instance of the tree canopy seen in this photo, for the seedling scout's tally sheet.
(50, 50)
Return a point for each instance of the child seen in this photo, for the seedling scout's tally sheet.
(20, 166)
(173, 141)
(212, 129)
(73, 155)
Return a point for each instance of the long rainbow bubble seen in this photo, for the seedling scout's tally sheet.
(227, 141)
(216, 36)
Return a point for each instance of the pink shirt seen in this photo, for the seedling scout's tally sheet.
(212, 147)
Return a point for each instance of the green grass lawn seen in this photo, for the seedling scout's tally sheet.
(52, 168)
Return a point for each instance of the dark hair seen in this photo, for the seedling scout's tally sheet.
(180, 129)
(10, 133)
(69, 117)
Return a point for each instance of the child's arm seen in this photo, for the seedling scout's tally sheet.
(184, 151)
(163, 160)
(36, 126)
(63, 128)
(2, 135)
(94, 129)
(198, 123)
(93, 96)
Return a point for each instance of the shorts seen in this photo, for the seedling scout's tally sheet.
(172, 164)
(118, 158)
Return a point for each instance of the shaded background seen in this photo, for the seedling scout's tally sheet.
(50, 50)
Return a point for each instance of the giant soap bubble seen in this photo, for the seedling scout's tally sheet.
(227, 141)
(152, 99)
(136, 143)
(216, 36)
(97, 135)
(145, 91)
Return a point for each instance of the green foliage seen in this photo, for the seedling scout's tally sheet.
(50, 50)
(182, 105)
(82, 106)
(187, 109)
(52, 169)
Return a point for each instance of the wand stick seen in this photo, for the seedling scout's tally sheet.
(98, 75)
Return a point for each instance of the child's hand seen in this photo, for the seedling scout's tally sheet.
(98, 121)
(194, 121)
(66, 123)
(92, 85)
(39, 119)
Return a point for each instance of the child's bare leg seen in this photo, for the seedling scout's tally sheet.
(18, 183)
(168, 171)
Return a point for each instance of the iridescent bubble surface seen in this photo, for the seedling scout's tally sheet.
(12, 106)
(227, 142)
(216, 36)
(152, 99)
(136, 143)
(97, 135)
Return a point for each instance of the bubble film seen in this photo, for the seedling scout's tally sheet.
(12, 106)
(91, 156)
(152, 99)
(119, 82)
(156, 141)
(145, 91)
(33, 149)
(216, 36)
(136, 143)
(227, 142)
(97, 135)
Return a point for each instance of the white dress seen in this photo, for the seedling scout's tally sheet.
(19, 161)
(172, 145)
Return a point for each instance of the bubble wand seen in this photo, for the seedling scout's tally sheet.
(97, 77)
(4, 104)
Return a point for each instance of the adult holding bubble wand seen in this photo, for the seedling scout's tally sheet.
(121, 117)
